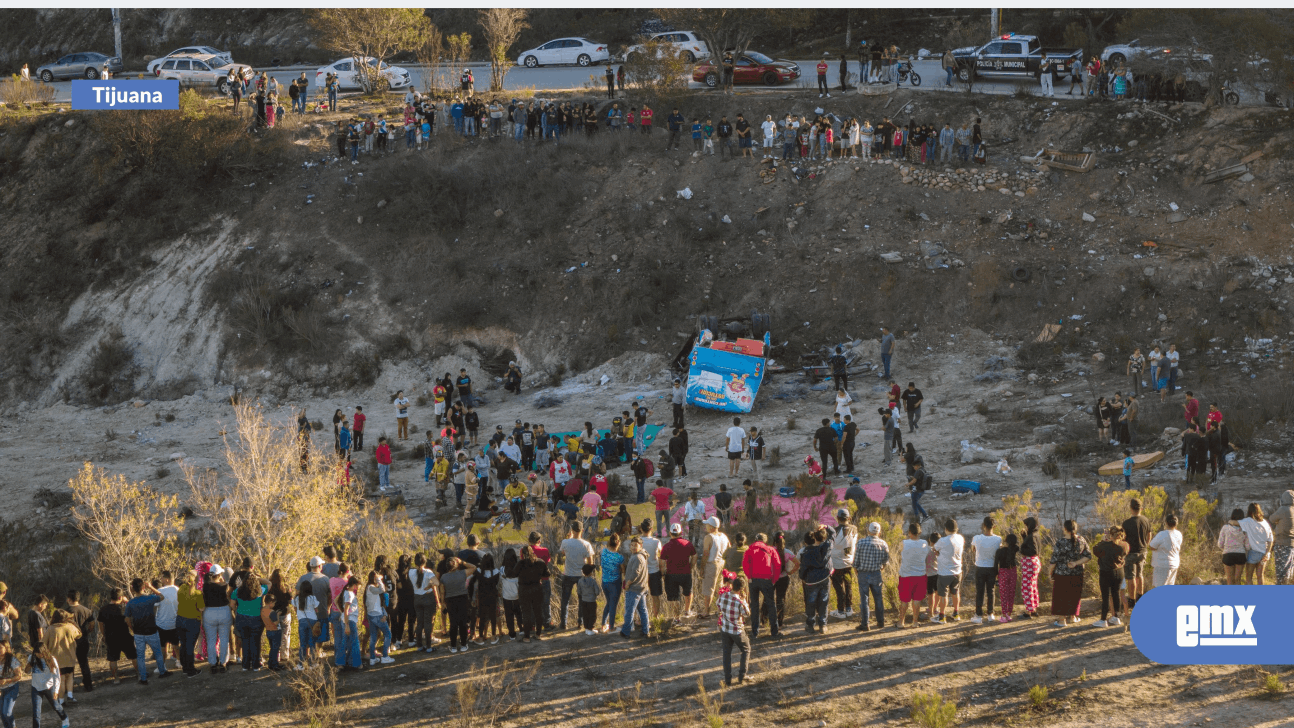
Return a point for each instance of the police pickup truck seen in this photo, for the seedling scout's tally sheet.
(1012, 56)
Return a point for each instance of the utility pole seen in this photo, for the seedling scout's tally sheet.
(848, 18)
(116, 31)
(992, 23)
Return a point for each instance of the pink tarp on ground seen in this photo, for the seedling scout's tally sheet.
(794, 510)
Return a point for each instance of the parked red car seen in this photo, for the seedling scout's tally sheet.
(751, 67)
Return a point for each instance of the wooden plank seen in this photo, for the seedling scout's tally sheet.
(1218, 175)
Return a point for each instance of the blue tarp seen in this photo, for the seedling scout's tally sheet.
(723, 380)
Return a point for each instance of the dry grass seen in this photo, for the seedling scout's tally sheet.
(710, 705)
(313, 695)
(488, 694)
(930, 710)
(16, 92)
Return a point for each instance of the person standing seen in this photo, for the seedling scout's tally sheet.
(1172, 360)
(744, 140)
(871, 554)
(1030, 566)
(1166, 553)
(849, 433)
(824, 442)
(636, 585)
(950, 68)
(844, 74)
(611, 81)
(1110, 554)
(116, 633)
(464, 386)
(1259, 534)
(839, 370)
(714, 546)
(1282, 526)
(948, 562)
(140, 614)
(1045, 75)
(1068, 556)
(1136, 534)
(83, 618)
(675, 123)
(383, 456)
(574, 552)
(887, 351)
(60, 640)
(822, 77)
(662, 496)
(679, 557)
(843, 539)
(918, 483)
(737, 440)
(1005, 561)
(891, 432)
(912, 577)
(733, 611)
(678, 398)
(985, 545)
(815, 574)
(1154, 359)
(694, 514)
(1136, 363)
(912, 399)
(762, 564)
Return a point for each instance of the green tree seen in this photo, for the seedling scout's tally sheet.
(501, 27)
(369, 33)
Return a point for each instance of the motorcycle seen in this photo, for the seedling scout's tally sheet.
(906, 72)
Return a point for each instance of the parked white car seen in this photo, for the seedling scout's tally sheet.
(225, 56)
(686, 42)
(565, 51)
(1121, 52)
(198, 70)
(349, 78)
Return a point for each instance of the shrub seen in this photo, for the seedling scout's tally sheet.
(489, 694)
(1037, 696)
(1199, 555)
(930, 710)
(313, 695)
(109, 377)
(1271, 684)
(14, 91)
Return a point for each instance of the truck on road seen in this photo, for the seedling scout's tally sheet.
(1012, 56)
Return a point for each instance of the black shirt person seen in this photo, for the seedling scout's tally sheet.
(724, 131)
(912, 400)
(824, 441)
(850, 434)
(839, 370)
(464, 384)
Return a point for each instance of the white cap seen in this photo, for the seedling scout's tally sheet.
(874, 528)
(315, 561)
(215, 570)
(712, 521)
(676, 529)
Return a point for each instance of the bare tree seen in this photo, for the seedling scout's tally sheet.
(459, 50)
(729, 30)
(430, 52)
(133, 528)
(368, 35)
(501, 26)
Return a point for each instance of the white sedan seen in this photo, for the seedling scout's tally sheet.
(225, 56)
(348, 76)
(685, 42)
(565, 51)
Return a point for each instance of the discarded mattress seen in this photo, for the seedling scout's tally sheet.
(1143, 460)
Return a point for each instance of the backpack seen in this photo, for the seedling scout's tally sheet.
(927, 480)
(651, 467)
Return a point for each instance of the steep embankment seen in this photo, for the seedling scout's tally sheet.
(272, 266)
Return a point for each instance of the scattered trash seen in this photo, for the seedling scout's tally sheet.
(603, 381)
(1087, 217)
(1172, 206)
(727, 220)
(685, 193)
(1003, 467)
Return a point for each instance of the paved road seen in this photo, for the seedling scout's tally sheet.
(557, 78)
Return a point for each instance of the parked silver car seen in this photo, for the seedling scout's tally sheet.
(78, 65)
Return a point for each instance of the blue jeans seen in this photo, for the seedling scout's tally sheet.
(332, 100)
(250, 630)
(870, 582)
(611, 589)
(918, 512)
(275, 636)
(914, 418)
(885, 359)
(346, 648)
(662, 520)
(963, 151)
(378, 625)
(635, 603)
(384, 474)
(458, 125)
(949, 81)
(518, 130)
(815, 603)
(7, 699)
(762, 589)
(189, 630)
(216, 623)
(305, 637)
(142, 643)
(642, 490)
(36, 696)
(469, 126)
(354, 151)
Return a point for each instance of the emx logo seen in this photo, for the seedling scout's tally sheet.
(1214, 625)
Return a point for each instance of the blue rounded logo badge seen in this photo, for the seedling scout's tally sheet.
(1215, 625)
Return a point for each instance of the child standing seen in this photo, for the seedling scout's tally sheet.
(631, 118)
(932, 575)
(1006, 565)
(425, 132)
(696, 136)
(1110, 554)
(508, 587)
(590, 589)
(707, 132)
